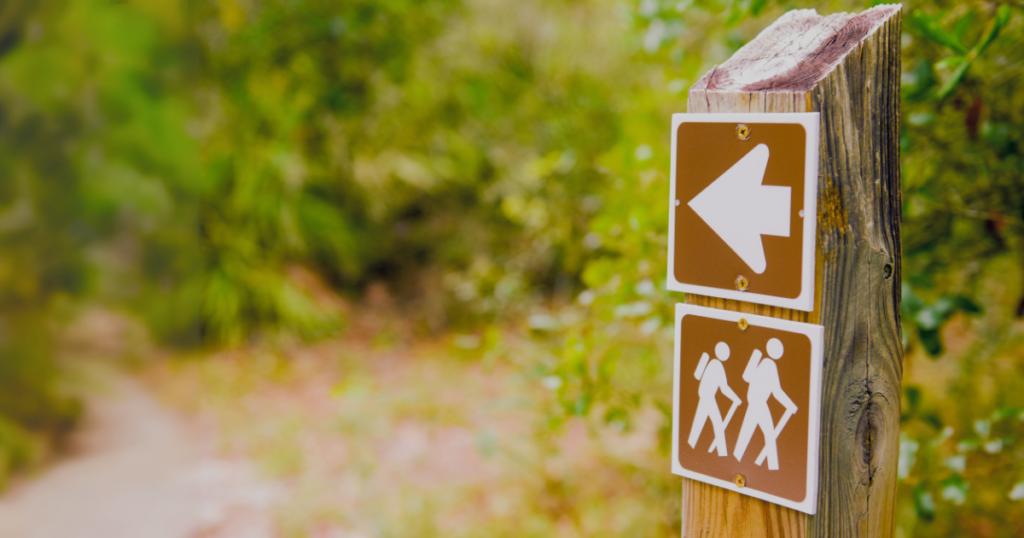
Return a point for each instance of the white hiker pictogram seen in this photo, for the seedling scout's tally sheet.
(763, 377)
(711, 374)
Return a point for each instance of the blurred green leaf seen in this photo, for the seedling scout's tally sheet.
(954, 489)
(1001, 18)
(930, 341)
(924, 503)
(929, 318)
(930, 28)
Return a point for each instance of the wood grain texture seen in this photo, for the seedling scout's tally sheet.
(847, 67)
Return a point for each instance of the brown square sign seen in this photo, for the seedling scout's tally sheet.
(746, 404)
(743, 207)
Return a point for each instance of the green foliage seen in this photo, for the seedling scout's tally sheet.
(928, 319)
(967, 473)
(18, 449)
(932, 29)
(222, 167)
(291, 86)
(370, 139)
(95, 176)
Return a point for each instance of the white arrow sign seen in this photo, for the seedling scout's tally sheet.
(740, 209)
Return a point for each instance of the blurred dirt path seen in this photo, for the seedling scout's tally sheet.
(137, 471)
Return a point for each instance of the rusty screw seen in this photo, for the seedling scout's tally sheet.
(743, 324)
(741, 283)
(742, 132)
(739, 480)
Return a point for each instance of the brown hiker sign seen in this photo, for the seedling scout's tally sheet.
(746, 404)
(743, 207)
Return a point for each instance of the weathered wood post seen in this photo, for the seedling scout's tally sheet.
(847, 68)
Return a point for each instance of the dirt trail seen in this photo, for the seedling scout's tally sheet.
(137, 471)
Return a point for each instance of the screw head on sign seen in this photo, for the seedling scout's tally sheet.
(741, 283)
(743, 324)
(742, 132)
(739, 480)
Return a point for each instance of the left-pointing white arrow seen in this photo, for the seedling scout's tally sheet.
(740, 209)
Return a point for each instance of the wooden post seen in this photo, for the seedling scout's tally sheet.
(847, 67)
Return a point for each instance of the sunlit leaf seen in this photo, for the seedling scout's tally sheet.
(956, 464)
(1017, 492)
(924, 503)
(955, 489)
(907, 456)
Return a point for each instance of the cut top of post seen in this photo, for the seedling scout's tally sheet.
(795, 52)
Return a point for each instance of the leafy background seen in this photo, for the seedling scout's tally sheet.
(239, 172)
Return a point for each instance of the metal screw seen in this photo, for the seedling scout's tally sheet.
(741, 283)
(742, 132)
(743, 324)
(739, 480)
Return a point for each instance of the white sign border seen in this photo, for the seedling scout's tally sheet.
(816, 334)
(811, 122)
